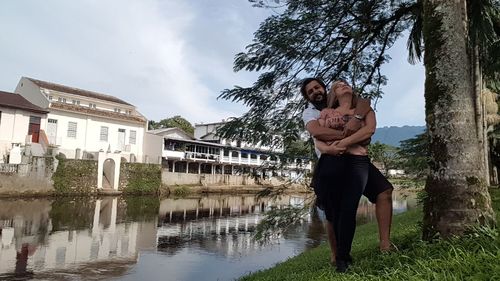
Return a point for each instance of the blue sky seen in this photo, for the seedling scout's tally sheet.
(167, 57)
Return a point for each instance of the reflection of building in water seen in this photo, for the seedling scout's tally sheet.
(221, 225)
(403, 201)
(173, 210)
(26, 233)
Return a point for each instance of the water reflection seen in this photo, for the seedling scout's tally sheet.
(190, 239)
(221, 225)
(42, 235)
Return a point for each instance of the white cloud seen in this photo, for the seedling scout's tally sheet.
(141, 51)
(166, 57)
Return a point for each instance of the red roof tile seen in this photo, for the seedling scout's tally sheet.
(18, 102)
(97, 112)
(76, 91)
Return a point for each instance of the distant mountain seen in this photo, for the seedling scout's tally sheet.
(393, 135)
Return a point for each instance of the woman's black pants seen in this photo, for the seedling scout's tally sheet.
(340, 183)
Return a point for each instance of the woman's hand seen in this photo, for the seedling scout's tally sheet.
(331, 149)
(362, 134)
(340, 144)
(352, 126)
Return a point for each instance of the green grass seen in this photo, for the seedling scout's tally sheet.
(181, 191)
(473, 257)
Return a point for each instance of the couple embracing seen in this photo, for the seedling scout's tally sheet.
(342, 125)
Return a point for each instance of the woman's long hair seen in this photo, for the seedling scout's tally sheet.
(333, 102)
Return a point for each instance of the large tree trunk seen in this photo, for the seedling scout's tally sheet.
(457, 194)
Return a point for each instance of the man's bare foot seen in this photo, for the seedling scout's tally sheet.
(332, 260)
(387, 246)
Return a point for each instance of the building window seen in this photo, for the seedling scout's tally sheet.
(92, 105)
(72, 129)
(51, 98)
(104, 134)
(129, 112)
(63, 100)
(133, 135)
(117, 110)
(76, 102)
(0, 118)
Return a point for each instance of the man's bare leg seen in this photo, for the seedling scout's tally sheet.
(331, 241)
(383, 212)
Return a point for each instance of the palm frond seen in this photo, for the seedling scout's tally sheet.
(484, 34)
(415, 39)
(483, 15)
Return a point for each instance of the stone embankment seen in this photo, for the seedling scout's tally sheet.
(47, 176)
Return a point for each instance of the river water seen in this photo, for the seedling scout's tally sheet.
(147, 238)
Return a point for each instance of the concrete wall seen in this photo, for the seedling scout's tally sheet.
(139, 178)
(169, 178)
(153, 147)
(35, 177)
(75, 176)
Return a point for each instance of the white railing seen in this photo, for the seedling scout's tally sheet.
(9, 168)
(171, 154)
(202, 156)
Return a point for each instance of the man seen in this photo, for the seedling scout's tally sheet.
(378, 190)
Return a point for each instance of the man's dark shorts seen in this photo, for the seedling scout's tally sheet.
(377, 183)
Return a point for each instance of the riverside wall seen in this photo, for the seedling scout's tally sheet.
(207, 180)
(33, 178)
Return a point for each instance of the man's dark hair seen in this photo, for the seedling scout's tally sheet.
(307, 81)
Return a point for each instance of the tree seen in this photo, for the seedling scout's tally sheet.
(456, 187)
(385, 154)
(414, 153)
(349, 39)
(298, 148)
(172, 122)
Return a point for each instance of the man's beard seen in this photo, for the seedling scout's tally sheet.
(319, 105)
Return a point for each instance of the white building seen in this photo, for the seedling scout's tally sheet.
(81, 123)
(184, 154)
(207, 132)
(21, 122)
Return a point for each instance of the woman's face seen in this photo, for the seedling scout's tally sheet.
(341, 88)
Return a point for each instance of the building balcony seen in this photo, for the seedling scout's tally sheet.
(227, 159)
(202, 156)
(172, 154)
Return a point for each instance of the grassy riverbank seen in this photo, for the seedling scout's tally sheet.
(474, 257)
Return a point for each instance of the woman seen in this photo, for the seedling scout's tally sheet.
(341, 178)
